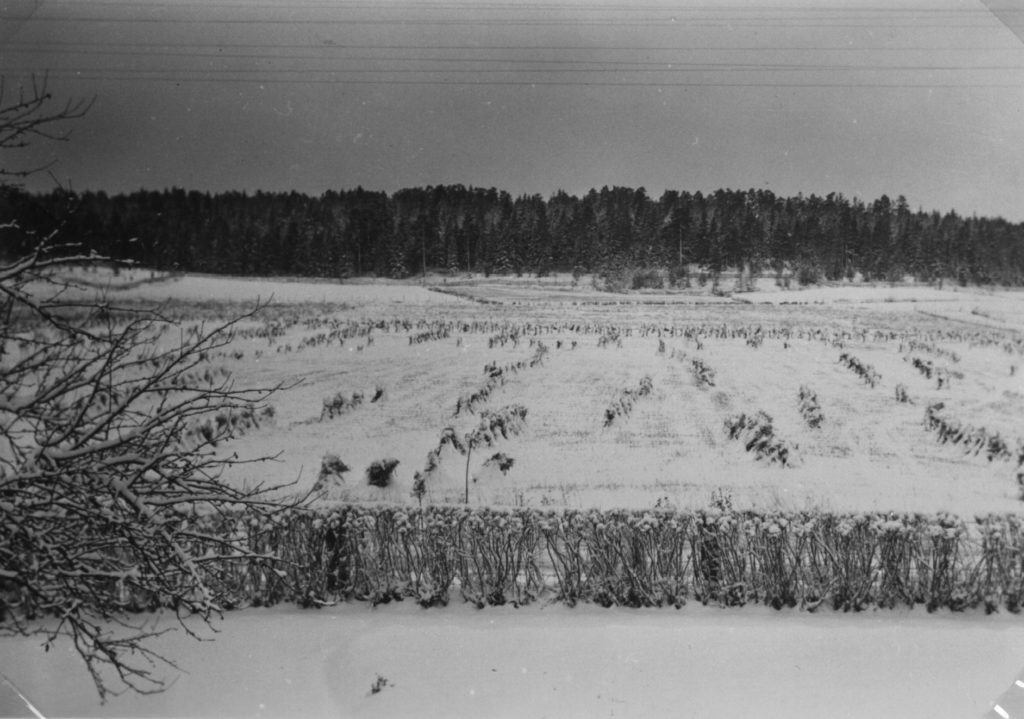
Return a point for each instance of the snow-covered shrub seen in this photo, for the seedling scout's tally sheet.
(332, 469)
(629, 558)
(380, 473)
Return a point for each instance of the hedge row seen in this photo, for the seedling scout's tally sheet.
(629, 558)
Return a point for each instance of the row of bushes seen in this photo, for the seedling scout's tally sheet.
(628, 558)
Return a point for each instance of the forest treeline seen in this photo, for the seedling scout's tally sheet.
(457, 228)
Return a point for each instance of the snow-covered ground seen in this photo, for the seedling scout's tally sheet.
(556, 662)
(139, 284)
(870, 453)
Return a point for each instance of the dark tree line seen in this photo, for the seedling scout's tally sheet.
(457, 228)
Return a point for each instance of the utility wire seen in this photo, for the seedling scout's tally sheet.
(145, 77)
(330, 45)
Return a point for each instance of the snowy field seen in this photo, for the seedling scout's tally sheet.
(870, 452)
(426, 349)
(556, 662)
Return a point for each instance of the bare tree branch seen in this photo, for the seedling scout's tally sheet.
(27, 114)
(111, 434)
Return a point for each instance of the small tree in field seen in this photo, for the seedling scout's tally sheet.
(101, 471)
(505, 422)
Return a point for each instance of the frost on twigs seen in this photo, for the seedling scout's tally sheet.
(111, 439)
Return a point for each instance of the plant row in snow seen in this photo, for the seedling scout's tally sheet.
(432, 335)
(973, 440)
(928, 369)
(337, 404)
(226, 424)
(758, 436)
(504, 337)
(809, 407)
(628, 558)
(703, 374)
(208, 377)
(496, 377)
(910, 340)
(623, 404)
(865, 371)
(913, 345)
(612, 336)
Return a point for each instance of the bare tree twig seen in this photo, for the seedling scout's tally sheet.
(111, 434)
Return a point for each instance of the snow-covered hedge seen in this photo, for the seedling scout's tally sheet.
(632, 558)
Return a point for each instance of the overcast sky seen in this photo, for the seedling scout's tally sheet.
(923, 99)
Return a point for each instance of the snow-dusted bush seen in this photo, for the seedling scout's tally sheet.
(634, 558)
(381, 472)
(332, 469)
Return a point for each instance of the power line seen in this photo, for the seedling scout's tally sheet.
(384, 5)
(605, 65)
(516, 22)
(751, 68)
(37, 47)
(141, 76)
